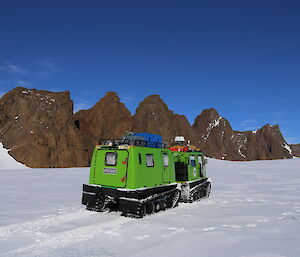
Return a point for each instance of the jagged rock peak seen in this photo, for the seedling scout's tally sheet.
(111, 96)
(206, 117)
(26, 91)
(152, 103)
(271, 129)
(269, 126)
(37, 104)
(153, 99)
(41, 130)
(108, 118)
(211, 111)
(110, 101)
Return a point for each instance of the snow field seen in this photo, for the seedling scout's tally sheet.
(253, 211)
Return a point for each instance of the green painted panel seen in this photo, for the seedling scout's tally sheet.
(136, 173)
(195, 164)
(108, 174)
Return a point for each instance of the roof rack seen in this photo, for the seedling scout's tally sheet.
(114, 143)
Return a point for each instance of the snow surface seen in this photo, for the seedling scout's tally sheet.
(253, 211)
(7, 161)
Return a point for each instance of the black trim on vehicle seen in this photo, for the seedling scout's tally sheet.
(91, 191)
(181, 171)
(127, 201)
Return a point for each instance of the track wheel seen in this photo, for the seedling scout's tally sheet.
(142, 211)
(195, 196)
(100, 205)
(208, 188)
(199, 194)
(150, 208)
(157, 206)
(173, 200)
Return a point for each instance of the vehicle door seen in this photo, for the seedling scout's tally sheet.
(192, 167)
(166, 167)
(111, 168)
(200, 166)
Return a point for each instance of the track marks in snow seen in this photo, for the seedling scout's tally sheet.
(68, 238)
(209, 229)
(143, 237)
(289, 215)
(173, 231)
(253, 225)
(44, 223)
(251, 222)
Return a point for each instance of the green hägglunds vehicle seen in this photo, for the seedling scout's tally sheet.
(139, 175)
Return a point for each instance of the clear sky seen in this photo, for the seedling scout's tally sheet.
(240, 57)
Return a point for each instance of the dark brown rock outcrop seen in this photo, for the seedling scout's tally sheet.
(109, 118)
(154, 116)
(219, 140)
(295, 149)
(37, 126)
(41, 130)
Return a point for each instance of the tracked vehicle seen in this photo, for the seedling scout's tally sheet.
(139, 175)
(191, 176)
(190, 171)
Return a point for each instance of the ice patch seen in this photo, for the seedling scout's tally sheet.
(240, 153)
(214, 124)
(210, 126)
(287, 147)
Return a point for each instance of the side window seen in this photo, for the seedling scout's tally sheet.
(200, 160)
(200, 164)
(149, 160)
(111, 159)
(192, 161)
(166, 160)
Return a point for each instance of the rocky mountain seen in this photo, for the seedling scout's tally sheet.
(219, 140)
(38, 128)
(154, 116)
(109, 118)
(296, 149)
(41, 130)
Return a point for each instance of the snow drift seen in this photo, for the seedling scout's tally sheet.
(7, 161)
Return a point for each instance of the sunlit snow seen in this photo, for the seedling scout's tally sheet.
(7, 161)
(253, 211)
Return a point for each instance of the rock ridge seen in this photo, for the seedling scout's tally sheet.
(41, 130)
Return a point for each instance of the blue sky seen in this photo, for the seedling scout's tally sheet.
(240, 57)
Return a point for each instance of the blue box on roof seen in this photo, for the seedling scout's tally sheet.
(152, 140)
